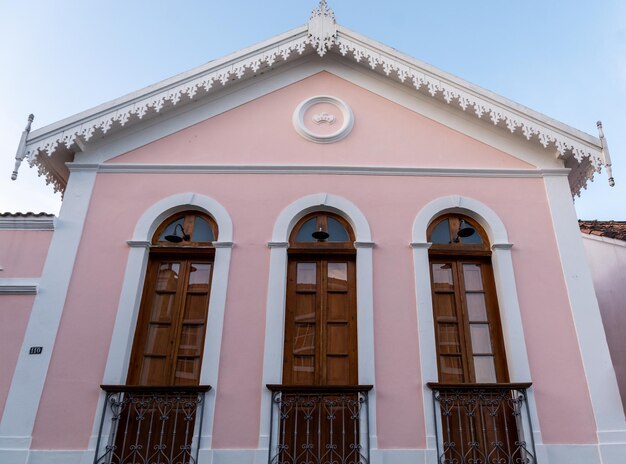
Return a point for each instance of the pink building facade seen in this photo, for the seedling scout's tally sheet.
(322, 121)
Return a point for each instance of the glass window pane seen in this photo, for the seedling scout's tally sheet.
(337, 276)
(484, 369)
(169, 230)
(202, 231)
(474, 238)
(307, 273)
(441, 233)
(473, 277)
(476, 307)
(337, 231)
(167, 280)
(481, 340)
(442, 276)
(304, 234)
(199, 274)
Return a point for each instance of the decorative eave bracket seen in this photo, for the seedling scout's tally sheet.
(584, 154)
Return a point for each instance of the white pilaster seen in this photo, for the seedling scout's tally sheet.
(601, 380)
(24, 396)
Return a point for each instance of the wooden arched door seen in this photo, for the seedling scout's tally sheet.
(319, 400)
(320, 319)
(158, 410)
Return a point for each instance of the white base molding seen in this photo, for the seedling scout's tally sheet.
(570, 454)
(546, 454)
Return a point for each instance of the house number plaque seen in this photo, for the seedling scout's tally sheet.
(35, 350)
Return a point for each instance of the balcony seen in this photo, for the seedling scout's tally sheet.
(150, 424)
(319, 424)
(483, 423)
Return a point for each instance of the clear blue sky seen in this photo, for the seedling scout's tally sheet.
(566, 59)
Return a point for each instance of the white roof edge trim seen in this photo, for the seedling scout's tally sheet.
(77, 130)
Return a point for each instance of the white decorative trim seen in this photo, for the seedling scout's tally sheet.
(278, 244)
(27, 223)
(130, 297)
(30, 372)
(275, 311)
(510, 314)
(322, 28)
(426, 245)
(138, 243)
(18, 286)
(95, 124)
(223, 244)
(336, 170)
(300, 125)
(601, 379)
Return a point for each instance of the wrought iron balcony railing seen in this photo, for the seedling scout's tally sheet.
(483, 424)
(319, 424)
(150, 425)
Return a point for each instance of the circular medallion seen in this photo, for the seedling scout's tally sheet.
(323, 119)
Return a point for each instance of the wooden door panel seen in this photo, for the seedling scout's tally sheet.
(337, 370)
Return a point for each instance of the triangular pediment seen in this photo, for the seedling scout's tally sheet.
(52, 146)
(385, 135)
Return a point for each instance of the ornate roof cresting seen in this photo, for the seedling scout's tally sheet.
(584, 154)
(322, 28)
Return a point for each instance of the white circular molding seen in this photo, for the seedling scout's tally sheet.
(300, 124)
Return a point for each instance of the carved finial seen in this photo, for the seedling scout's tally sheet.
(21, 152)
(322, 28)
(605, 154)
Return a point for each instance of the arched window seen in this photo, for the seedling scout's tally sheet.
(169, 339)
(320, 321)
(468, 332)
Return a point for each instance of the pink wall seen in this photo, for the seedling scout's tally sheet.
(261, 131)
(23, 252)
(14, 314)
(607, 260)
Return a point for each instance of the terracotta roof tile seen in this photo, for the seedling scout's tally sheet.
(610, 229)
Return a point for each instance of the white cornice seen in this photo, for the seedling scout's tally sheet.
(27, 223)
(18, 286)
(315, 169)
(581, 152)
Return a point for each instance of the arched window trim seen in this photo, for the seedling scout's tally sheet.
(275, 312)
(512, 328)
(131, 292)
